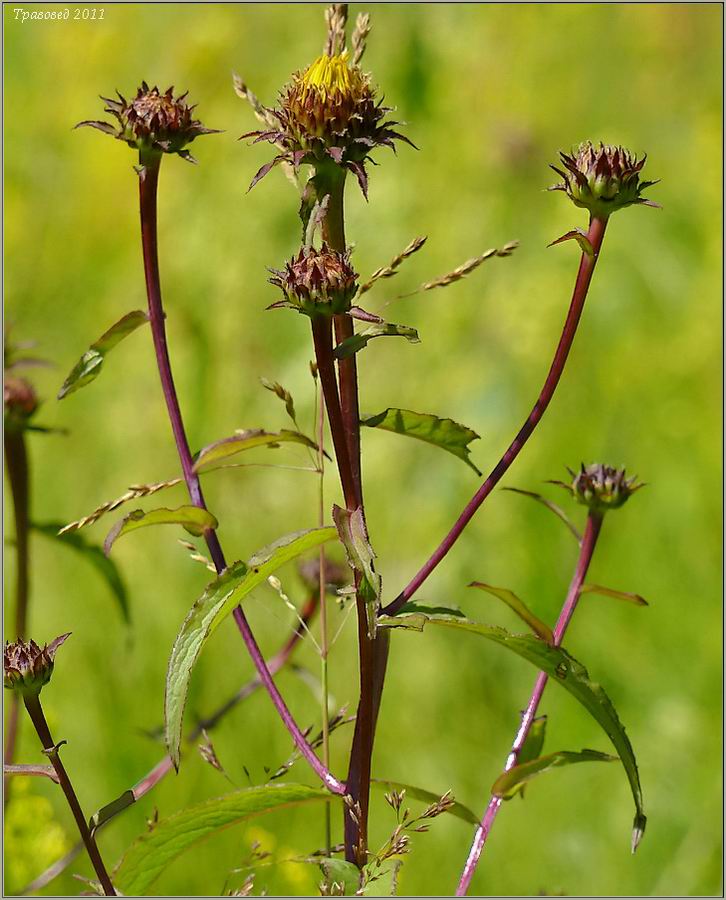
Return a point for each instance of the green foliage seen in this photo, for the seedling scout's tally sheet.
(360, 339)
(354, 537)
(540, 628)
(247, 440)
(618, 595)
(509, 783)
(457, 809)
(193, 519)
(444, 433)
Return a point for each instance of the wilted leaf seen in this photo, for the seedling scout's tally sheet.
(96, 557)
(609, 592)
(456, 809)
(509, 783)
(359, 340)
(152, 852)
(217, 601)
(520, 608)
(444, 433)
(553, 507)
(352, 532)
(564, 670)
(195, 520)
(246, 440)
(89, 365)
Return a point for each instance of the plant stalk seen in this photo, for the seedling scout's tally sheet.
(35, 711)
(587, 548)
(595, 235)
(148, 185)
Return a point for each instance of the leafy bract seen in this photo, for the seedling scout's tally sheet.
(247, 440)
(444, 433)
(89, 365)
(519, 607)
(358, 341)
(556, 662)
(194, 519)
(217, 601)
(509, 783)
(152, 852)
(354, 536)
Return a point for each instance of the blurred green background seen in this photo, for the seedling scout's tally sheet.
(490, 92)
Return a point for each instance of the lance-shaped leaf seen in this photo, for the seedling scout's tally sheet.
(359, 340)
(194, 520)
(354, 535)
(577, 234)
(519, 607)
(532, 747)
(511, 782)
(89, 365)
(609, 592)
(247, 440)
(564, 670)
(152, 852)
(217, 601)
(444, 433)
(96, 557)
(458, 810)
(553, 507)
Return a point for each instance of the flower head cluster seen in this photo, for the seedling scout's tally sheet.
(601, 487)
(602, 179)
(316, 282)
(152, 121)
(27, 667)
(19, 402)
(328, 112)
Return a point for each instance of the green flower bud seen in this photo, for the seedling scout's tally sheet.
(601, 487)
(602, 179)
(27, 667)
(316, 282)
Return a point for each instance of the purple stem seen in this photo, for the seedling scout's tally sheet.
(148, 184)
(587, 548)
(595, 236)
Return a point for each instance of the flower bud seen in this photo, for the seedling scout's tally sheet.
(601, 487)
(317, 282)
(602, 179)
(152, 121)
(27, 667)
(19, 402)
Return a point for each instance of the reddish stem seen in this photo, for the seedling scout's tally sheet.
(587, 548)
(595, 236)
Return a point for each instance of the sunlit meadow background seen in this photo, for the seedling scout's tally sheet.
(490, 93)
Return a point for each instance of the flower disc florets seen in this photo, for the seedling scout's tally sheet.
(601, 487)
(27, 667)
(328, 111)
(602, 179)
(152, 121)
(19, 402)
(317, 282)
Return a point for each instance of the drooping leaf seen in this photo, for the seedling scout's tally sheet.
(152, 852)
(96, 557)
(246, 440)
(458, 810)
(564, 670)
(609, 592)
(89, 365)
(577, 234)
(359, 340)
(217, 601)
(509, 783)
(354, 535)
(553, 507)
(444, 433)
(519, 607)
(193, 519)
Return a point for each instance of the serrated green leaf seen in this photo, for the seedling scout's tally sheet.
(96, 557)
(217, 601)
(519, 607)
(359, 340)
(618, 595)
(192, 518)
(354, 536)
(564, 670)
(152, 852)
(511, 782)
(458, 809)
(247, 440)
(88, 367)
(443, 433)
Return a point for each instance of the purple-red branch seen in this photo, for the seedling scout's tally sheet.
(587, 548)
(595, 235)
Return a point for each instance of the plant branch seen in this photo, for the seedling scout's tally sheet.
(148, 184)
(587, 548)
(595, 236)
(35, 711)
